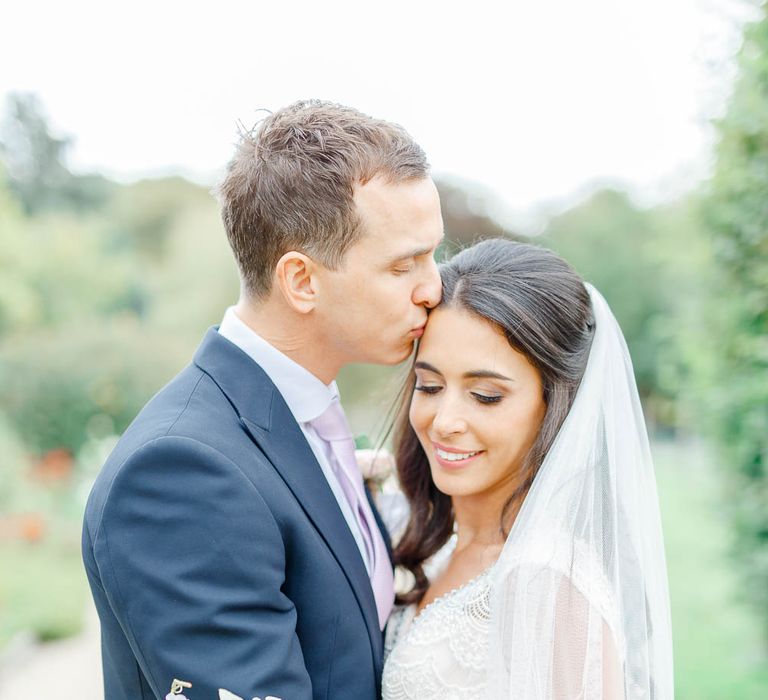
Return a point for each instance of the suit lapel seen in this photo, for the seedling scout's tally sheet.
(286, 447)
(267, 419)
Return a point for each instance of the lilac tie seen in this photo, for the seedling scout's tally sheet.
(332, 426)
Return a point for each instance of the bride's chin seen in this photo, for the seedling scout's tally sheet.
(449, 484)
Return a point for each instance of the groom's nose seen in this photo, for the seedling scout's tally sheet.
(430, 289)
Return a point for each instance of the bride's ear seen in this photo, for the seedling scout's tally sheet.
(296, 276)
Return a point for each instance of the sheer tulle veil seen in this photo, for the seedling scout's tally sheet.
(579, 599)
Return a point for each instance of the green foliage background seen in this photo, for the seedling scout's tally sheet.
(735, 211)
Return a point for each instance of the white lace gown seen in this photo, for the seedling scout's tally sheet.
(441, 653)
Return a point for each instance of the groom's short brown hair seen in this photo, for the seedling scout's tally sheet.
(291, 182)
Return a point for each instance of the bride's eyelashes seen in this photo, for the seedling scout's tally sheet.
(427, 388)
(431, 389)
(487, 399)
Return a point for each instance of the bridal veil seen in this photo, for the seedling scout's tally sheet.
(579, 599)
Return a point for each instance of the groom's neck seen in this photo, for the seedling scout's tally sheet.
(291, 334)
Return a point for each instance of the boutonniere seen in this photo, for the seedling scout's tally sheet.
(376, 465)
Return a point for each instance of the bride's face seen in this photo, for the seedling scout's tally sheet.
(477, 406)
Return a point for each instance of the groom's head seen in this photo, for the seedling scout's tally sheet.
(333, 213)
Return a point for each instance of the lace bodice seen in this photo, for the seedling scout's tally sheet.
(440, 654)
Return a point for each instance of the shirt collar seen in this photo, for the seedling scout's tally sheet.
(306, 395)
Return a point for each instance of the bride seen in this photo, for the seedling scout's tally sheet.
(533, 542)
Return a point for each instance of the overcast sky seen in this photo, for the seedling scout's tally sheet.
(535, 99)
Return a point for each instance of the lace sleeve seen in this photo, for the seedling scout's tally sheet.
(585, 656)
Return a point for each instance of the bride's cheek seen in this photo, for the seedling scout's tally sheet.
(415, 413)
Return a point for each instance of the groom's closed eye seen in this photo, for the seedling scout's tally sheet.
(411, 255)
(403, 268)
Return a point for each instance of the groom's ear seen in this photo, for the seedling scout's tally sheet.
(297, 279)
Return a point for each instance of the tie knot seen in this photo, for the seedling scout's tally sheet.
(332, 424)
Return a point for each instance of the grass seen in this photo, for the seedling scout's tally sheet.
(719, 652)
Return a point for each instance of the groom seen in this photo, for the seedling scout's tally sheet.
(228, 539)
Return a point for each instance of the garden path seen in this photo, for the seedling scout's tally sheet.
(66, 670)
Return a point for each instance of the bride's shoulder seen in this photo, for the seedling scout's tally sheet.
(555, 554)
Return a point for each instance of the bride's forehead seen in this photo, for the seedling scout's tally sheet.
(459, 341)
(456, 329)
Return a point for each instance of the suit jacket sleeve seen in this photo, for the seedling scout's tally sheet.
(192, 562)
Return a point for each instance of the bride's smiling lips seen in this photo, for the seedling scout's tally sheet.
(454, 457)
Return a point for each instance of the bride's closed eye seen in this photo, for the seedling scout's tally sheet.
(428, 388)
(485, 399)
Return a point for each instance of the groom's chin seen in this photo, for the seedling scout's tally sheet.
(386, 355)
(392, 356)
(401, 354)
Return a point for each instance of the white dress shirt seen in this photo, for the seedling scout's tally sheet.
(307, 397)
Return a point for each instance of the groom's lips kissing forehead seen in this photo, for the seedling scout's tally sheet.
(418, 331)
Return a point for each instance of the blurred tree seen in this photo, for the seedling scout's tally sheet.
(735, 210)
(468, 214)
(55, 271)
(12, 288)
(610, 241)
(682, 254)
(35, 161)
(60, 387)
(143, 215)
(91, 327)
(197, 276)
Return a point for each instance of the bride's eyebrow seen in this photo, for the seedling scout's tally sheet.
(486, 374)
(473, 374)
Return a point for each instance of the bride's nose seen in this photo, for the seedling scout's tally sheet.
(448, 419)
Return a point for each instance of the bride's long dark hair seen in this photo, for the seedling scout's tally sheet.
(543, 308)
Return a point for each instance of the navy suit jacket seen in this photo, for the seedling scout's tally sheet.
(217, 553)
